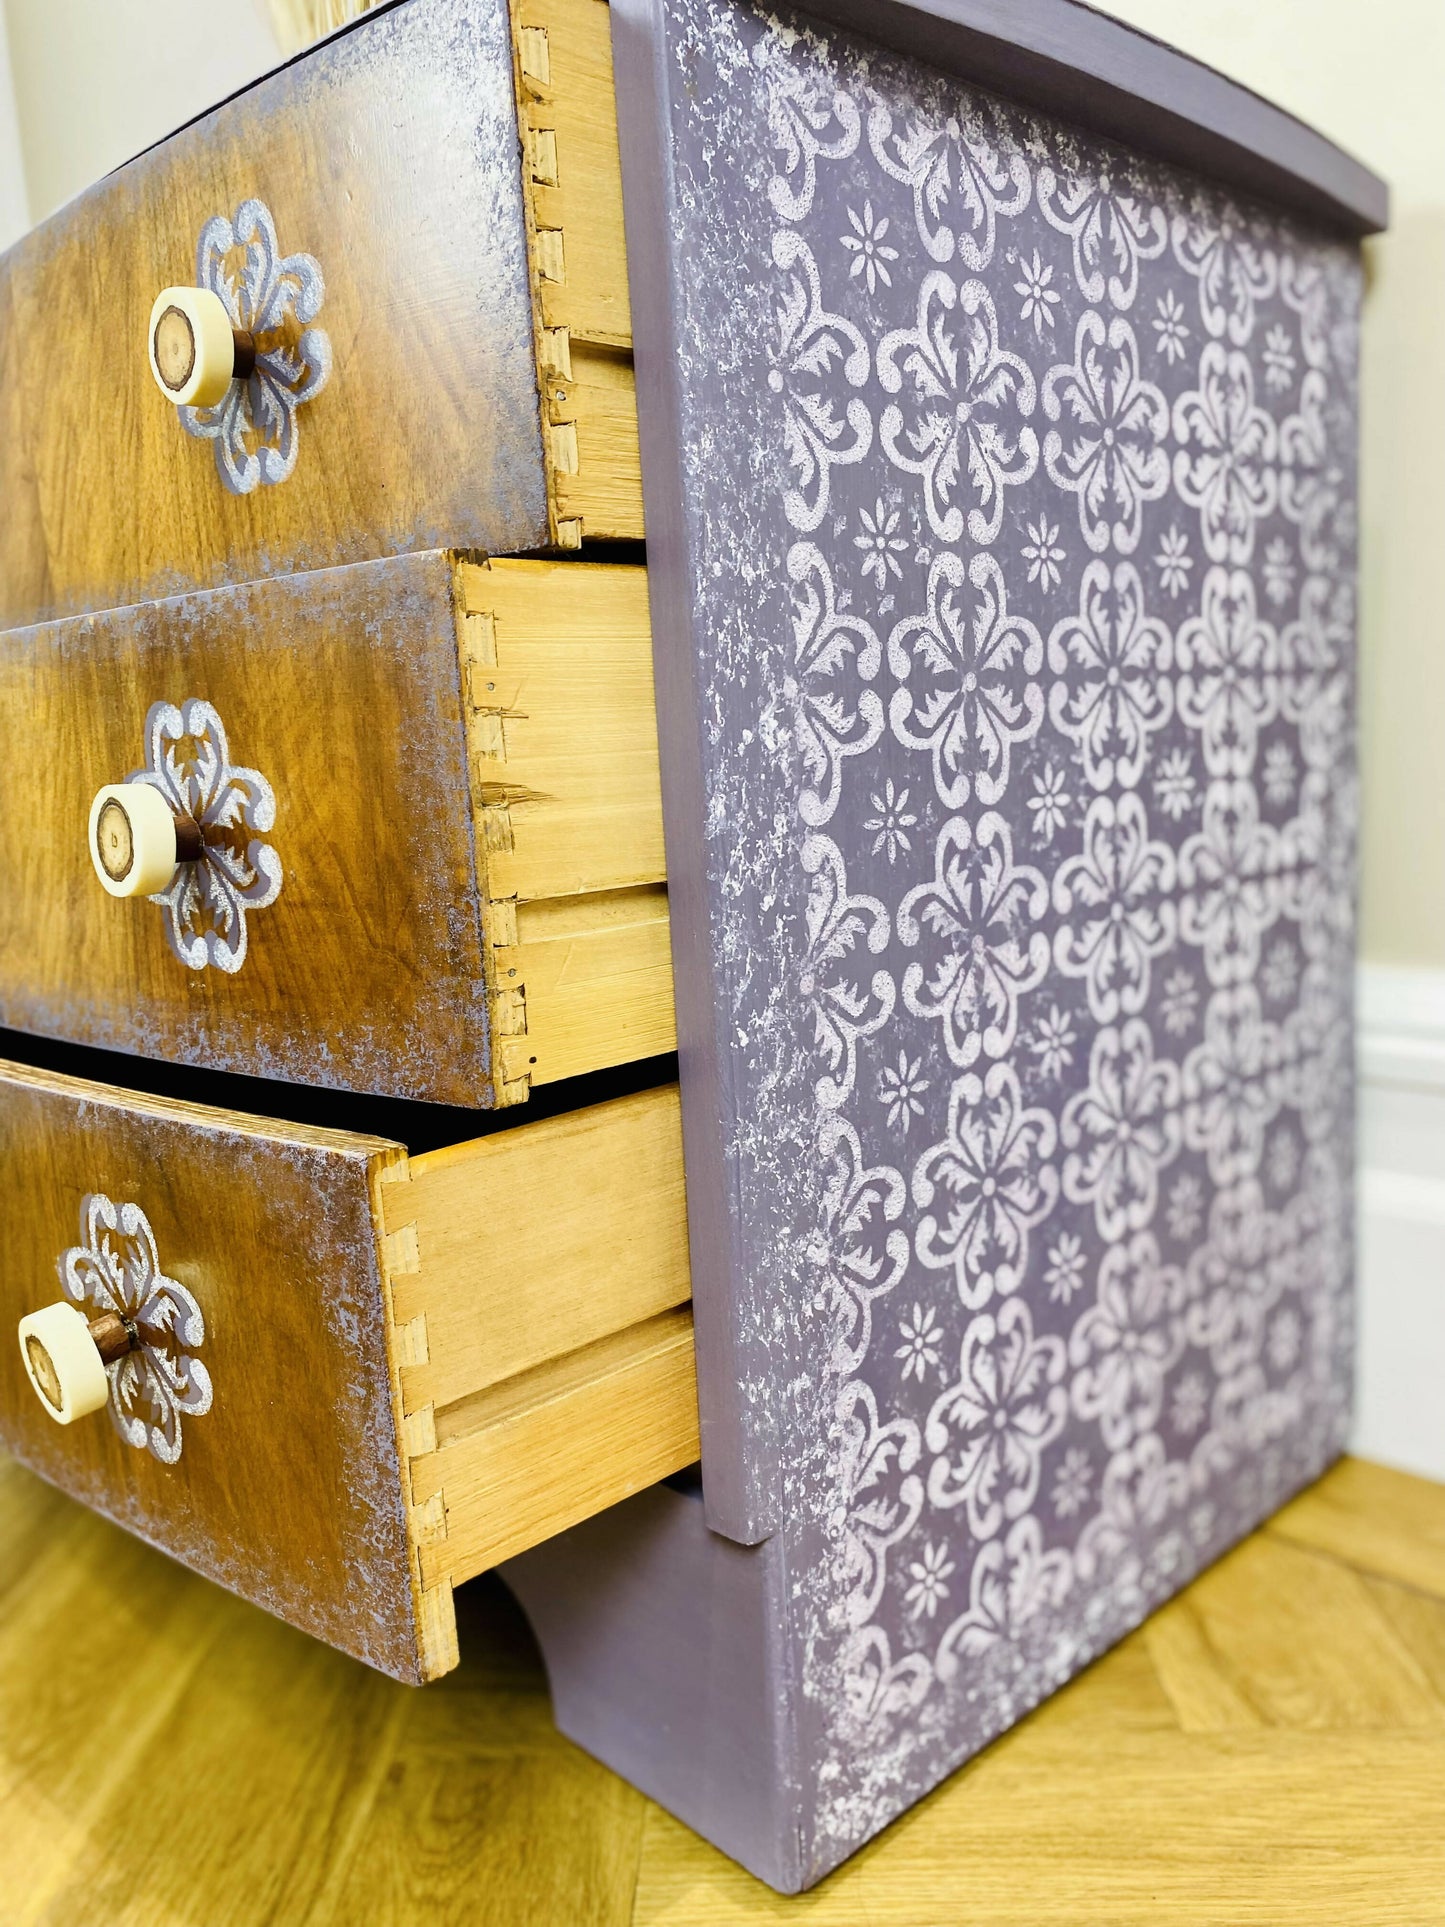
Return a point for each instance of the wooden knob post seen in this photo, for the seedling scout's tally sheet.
(195, 352)
(137, 839)
(66, 1356)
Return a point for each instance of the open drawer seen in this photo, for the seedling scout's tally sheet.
(334, 1378)
(425, 852)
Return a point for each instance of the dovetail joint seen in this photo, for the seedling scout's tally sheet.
(492, 821)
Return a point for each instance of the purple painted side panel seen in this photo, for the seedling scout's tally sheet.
(1001, 501)
(741, 1482)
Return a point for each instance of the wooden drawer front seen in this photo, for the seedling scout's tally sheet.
(392, 160)
(467, 840)
(379, 1376)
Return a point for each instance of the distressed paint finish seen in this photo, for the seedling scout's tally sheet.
(342, 688)
(1010, 615)
(290, 1490)
(392, 156)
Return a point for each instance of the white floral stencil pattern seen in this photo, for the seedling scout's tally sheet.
(207, 901)
(115, 1268)
(276, 298)
(1023, 566)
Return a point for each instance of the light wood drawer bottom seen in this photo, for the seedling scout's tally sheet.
(413, 1367)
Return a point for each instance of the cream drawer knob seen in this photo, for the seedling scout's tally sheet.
(195, 352)
(66, 1355)
(137, 840)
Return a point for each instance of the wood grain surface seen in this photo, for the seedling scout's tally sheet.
(538, 1288)
(536, 1241)
(470, 831)
(342, 688)
(289, 1488)
(394, 157)
(299, 1788)
(572, 186)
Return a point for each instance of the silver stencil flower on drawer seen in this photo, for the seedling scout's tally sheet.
(116, 1268)
(274, 298)
(206, 902)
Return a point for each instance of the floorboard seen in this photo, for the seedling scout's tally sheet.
(1269, 1749)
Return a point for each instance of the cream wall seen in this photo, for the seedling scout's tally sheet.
(1371, 75)
(14, 203)
(95, 81)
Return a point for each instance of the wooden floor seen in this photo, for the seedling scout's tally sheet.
(1269, 1749)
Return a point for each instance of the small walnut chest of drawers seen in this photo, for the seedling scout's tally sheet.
(954, 768)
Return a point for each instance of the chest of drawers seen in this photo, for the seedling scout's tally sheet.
(962, 779)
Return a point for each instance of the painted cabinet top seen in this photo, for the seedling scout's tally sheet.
(1066, 58)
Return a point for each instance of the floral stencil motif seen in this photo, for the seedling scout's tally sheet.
(1313, 488)
(1225, 468)
(978, 915)
(808, 121)
(1231, 1095)
(884, 1494)
(1114, 459)
(989, 1184)
(206, 902)
(1231, 876)
(1121, 1130)
(1126, 1343)
(1228, 690)
(1112, 662)
(971, 701)
(1234, 271)
(860, 1257)
(847, 1001)
(115, 1268)
(990, 1428)
(941, 162)
(1117, 895)
(965, 429)
(832, 652)
(810, 341)
(275, 298)
(1112, 231)
(1019, 480)
(1013, 1580)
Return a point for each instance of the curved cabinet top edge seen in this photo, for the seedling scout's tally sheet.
(1065, 58)
(1140, 91)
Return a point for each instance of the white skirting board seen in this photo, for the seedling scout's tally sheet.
(1400, 1403)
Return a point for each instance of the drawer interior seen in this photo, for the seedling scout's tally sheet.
(539, 1297)
(572, 188)
(562, 728)
(468, 829)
